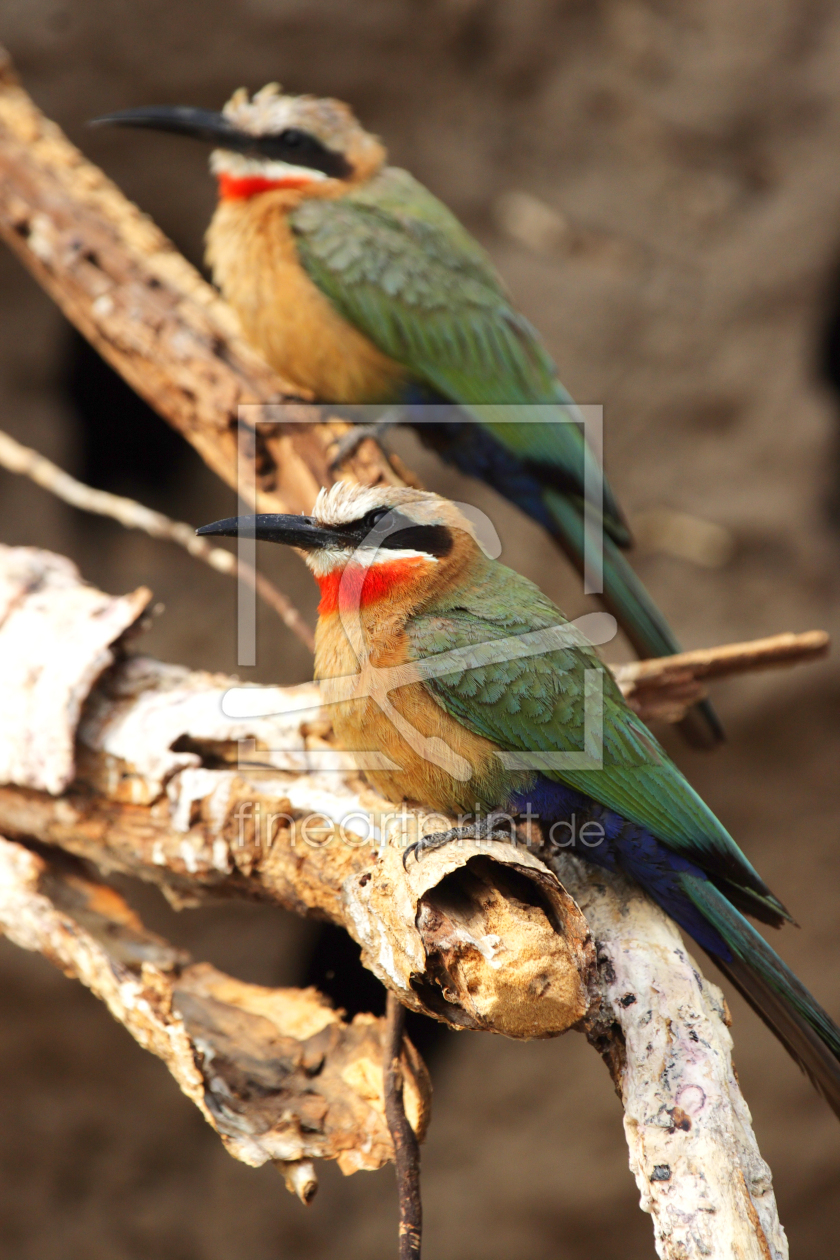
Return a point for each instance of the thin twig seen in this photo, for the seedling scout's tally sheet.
(662, 674)
(728, 658)
(29, 463)
(665, 688)
(406, 1146)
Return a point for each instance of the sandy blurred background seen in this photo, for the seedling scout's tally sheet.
(660, 186)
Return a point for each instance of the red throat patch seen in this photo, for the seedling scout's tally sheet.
(233, 189)
(358, 587)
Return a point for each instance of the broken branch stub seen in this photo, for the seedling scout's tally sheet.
(56, 633)
(666, 687)
(486, 938)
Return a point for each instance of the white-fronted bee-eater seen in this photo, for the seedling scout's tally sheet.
(358, 285)
(403, 581)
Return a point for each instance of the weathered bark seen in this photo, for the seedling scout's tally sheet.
(663, 1030)
(157, 794)
(277, 1072)
(150, 314)
(454, 936)
(44, 604)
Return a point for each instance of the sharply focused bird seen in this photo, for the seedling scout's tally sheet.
(404, 583)
(357, 284)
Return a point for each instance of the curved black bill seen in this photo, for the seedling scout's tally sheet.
(294, 531)
(293, 146)
(183, 120)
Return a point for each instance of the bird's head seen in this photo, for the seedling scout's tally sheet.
(271, 141)
(366, 545)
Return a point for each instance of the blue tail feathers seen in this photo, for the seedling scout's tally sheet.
(693, 899)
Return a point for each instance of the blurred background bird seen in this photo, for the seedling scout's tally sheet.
(358, 285)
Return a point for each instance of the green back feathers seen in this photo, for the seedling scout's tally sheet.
(537, 704)
(397, 264)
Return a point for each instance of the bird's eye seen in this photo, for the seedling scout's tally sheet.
(292, 137)
(377, 515)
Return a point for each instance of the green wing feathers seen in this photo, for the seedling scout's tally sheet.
(399, 266)
(537, 703)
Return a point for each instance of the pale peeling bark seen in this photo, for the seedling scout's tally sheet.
(502, 944)
(663, 1030)
(55, 637)
(277, 1072)
(456, 936)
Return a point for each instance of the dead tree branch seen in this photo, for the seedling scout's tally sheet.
(484, 938)
(665, 688)
(277, 1072)
(156, 785)
(663, 1030)
(157, 790)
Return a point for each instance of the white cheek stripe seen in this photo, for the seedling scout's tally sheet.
(223, 162)
(325, 561)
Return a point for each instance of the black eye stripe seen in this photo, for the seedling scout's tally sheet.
(434, 539)
(387, 528)
(299, 148)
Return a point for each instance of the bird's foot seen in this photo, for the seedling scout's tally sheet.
(489, 828)
(350, 442)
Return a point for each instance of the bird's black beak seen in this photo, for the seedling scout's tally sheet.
(298, 148)
(184, 120)
(295, 531)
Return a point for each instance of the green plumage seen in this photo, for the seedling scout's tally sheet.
(537, 704)
(400, 267)
(684, 857)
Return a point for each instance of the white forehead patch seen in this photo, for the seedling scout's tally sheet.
(268, 111)
(346, 501)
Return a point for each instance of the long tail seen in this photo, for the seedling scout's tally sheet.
(701, 909)
(627, 599)
(773, 991)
